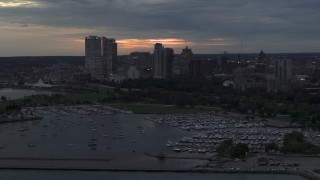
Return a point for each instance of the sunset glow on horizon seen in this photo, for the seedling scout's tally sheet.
(126, 46)
(58, 27)
(19, 3)
(148, 44)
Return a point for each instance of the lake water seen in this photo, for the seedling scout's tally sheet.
(84, 175)
(20, 93)
(121, 141)
(117, 137)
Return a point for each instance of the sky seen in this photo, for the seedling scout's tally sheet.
(58, 27)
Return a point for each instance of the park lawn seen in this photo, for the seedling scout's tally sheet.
(284, 118)
(86, 96)
(159, 108)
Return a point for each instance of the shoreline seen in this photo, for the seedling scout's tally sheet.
(305, 174)
(229, 168)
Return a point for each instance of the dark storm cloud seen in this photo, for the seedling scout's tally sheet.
(193, 20)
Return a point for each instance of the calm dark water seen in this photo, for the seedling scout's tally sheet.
(20, 93)
(121, 139)
(118, 139)
(81, 175)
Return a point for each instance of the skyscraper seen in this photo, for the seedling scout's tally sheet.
(143, 62)
(163, 59)
(200, 68)
(283, 70)
(186, 54)
(110, 55)
(100, 57)
(93, 57)
(168, 60)
(158, 60)
(281, 77)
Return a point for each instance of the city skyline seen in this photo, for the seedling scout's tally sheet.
(58, 27)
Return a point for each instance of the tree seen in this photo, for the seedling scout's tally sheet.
(3, 98)
(228, 149)
(271, 147)
(293, 137)
(180, 101)
(116, 89)
(191, 101)
(294, 143)
(225, 148)
(21, 82)
(240, 151)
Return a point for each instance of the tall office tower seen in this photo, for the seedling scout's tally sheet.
(110, 55)
(200, 68)
(93, 59)
(158, 61)
(281, 77)
(168, 61)
(283, 71)
(143, 62)
(186, 54)
(101, 57)
(163, 59)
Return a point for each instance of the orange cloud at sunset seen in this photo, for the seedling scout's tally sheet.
(125, 46)
(70, 41)
(216, 44)
(168, 40)
(217, 39)
(19, 3)
(129, 45)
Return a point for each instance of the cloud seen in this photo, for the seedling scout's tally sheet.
(197, 23)
(18, 3)
(17, 40)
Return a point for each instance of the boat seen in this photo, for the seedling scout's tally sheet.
(169, 144)
(92, 144)
(31, 145)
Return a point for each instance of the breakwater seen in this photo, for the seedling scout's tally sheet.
(304, 174)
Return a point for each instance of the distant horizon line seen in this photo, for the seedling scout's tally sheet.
(152, 53)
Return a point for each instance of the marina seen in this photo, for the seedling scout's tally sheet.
(65, 137)
(210, 129)
(66, 175)
(103, 138)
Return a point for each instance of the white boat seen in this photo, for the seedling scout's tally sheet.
(169, 144)
(92, 144)
(31, 145)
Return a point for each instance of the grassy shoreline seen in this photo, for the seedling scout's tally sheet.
(141, 108)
